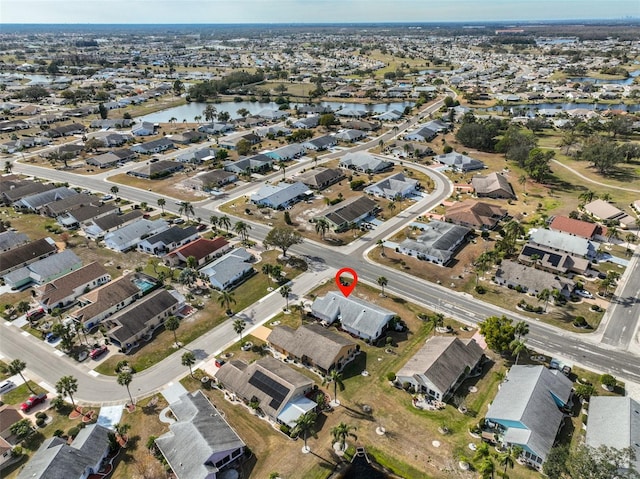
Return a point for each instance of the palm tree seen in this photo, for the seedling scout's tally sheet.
(521, 329)
(322, 226)
(630, 238)
(172, 323)
(16, 367)
(507, 460)
(189, 359)
(186, 208)
(304, 425)
(114, 190)
(225, 222)
(214, 220)
(188, 276)
(267, 269)
(487, 468)
(284, 292)
(482, 451)
(392, 206)
(382, 282)
(613, 233)
(544, 295)
(8, 167)
(67, 385)
(197, 118)
(161, 203)
(283, 167)
(22, 307)
(517, 347)
(380, 243)
(210, 113)
(334, 377)
(124, 379)
(587, 197)
(341, 432)
(225, 299)
(523, 181)
(242, 228)
(238, 326)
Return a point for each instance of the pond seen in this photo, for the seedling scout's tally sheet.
(191, 110)
(626, 81)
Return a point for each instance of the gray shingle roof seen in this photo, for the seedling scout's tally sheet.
(11, 239)
(531, 278)
(133, 232)
(26, 253)
(40, 199)
(106, 296)
(226, 268)
(364, 161)
(321, 176)
(392, 186)
(491, 184)
(564, 242)
(174, 234)
(280, 194)
(439, 240)
(460, 161)
(349, 211)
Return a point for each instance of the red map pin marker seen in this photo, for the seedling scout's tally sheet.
(346, 288)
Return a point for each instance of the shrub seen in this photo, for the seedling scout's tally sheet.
(447, 149)
(608, 380)
(579, 321)
(16, 451)
(58, 433)
(480, 289)
(356, 184)
(285, 429)
(406, 385)
(73, 432)
(40, 422)
(41, 415)
(391, 376)
(287, 217)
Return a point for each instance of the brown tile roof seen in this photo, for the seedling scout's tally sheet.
(475, 213)
(59, 289)
(574, 227)
(106, 296)
(201, 247)
(27, 253)
(8, 416)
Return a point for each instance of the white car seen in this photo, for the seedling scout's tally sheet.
(583, 293)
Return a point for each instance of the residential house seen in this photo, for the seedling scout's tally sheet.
(63, 291)
(527, 410)
(350, 135)
(313, 345)
(66, 130)
(307, 122)
(278, 390)
(230, 142)
(109, 139)
(320, 178)
(281, 195)
(142, 318)
(197, 155)
(111, 158)
(558, 241)
(156, 170)
(250, 164)
(494, 185)
(107, 299)
(320, 143)
(96, 228)
(475, 214)
(531, 280)
(44, 270)
(58, 459)
(230, 270)
(8, 417)
(364, 162)
(200, 443)
(273, 131)
(361, 125)
(390, 115)
(34, 203)
(202, 249)
(364, 319)
(153, 146)
(145, 128)
(348, 213)
(437, 243)
(603, 211)
(187, 137)
(210, 180)
(25, 254)
(584, 229)
(168, 240)
(271, 114)
(12, 239)
(394, 187)
(552, 260)
(6, 454)
(73, 219)
(16, 192)
(287, 152)
(110, 123)
(127, 237)
(459, 162)
(215, 128)
(614, 422)
(422, 133)
(441, 365)
(65, 205)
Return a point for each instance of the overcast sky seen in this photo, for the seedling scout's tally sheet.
(307, 11)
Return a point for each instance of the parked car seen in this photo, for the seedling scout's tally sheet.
(35, 314)
(51, 337)
(178, 221)
(33, 400)
(107, 197)
(201, 227)
(99, 351)
(583, 293)
(6, 386)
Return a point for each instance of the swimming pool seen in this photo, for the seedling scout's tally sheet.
(144, 285)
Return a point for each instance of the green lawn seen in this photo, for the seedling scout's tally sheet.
(18, 395)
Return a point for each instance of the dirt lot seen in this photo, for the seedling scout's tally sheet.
(171, 186)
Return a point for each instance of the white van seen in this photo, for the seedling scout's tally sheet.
(6, 386)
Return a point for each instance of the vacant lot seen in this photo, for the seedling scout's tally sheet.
(170, 186)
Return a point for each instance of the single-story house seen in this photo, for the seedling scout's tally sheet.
(65, 205)
(57, 459)
(584, 229)
(320, 143)
(127, 237)
(604, 211)
(494, 185)
(229, 270)
(361, 125)
(210, 180)
(25, 254)
(200, 443)
(153, 146)
(197, 155)
(475, 214)
(20, 190)
(109, 138)
(390, 115)
(168, 240)
(287, 152)
(321, 178)
(459, 162)
(273, 131)
(394, 187)
(361, 318)
(63, 291)
(422, 133)
(73, 219)
(439, 367)
(44, 270)
(250, 164)
(531, 280)
(8, 417)
(559, 241)
(12, 239)
(350, 212)
(437, 243)
(156, 170)
(187, 137)
(105, 160)
(364, 162)
(271, 114)
(96, 228)
(614, 422)
(202, 249)
(216, 128)
(131, 324)
(35, 202)
(281, 195)
(552, 260)
(66, 130)
(278, 390)
(145, 128)
(307, 122)
(313, 345)
(230, 142)
(351, 136)
(527, 410)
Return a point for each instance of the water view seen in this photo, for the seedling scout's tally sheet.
(626, 81)
(563, 106)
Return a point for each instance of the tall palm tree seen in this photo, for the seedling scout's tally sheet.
(380, 244)
(487, 468)
(343, 431)
(242, 229)
(305, 426)
(284, 292)
(186, 208)
(172, 323)
(161, 203)
(210, 113)
(521, 329)
(188, 277)
(322, 226)
(545, 295)
(16, 367)
(189, 359)
(517, 346)
(523, 181)
(238, 326)
(124, 379)
(67, 385)
(334, 377)
(283, 167)
(392, 206)
(587, 197)
(267, 269)
(214, 220)
(225, 222)
(114, 190)
(382, 282)
(225, 299)
(507, 460)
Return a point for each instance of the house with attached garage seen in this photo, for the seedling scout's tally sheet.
(459, 162)
(494, 185)
(144, 128)
(345, 214)
(307, 122)
(156, 170)
(321, 178)
(200, 443)
(364, 162)
(202, 249)
(287, 152)
(564, 242)
(96, 228)
(127, 237)
(531, 280)
(281, 195)
(58, 207)
(168, 240)
(44, 270)
(251, 164)
(475, 214)
(34, 203)
(394, 187)
(12, 239)
(153, 146)
(230, 270)
(441, 365)
(351, 136)
(437, 243)
(527, 411)
(320, 143)
(63, 291)
(210, 180)
(73, 219)
(19, 190)
(25, 254)
(358, 317)
(422, 133)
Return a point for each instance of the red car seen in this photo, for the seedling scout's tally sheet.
(95, 353)
(33, 400)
